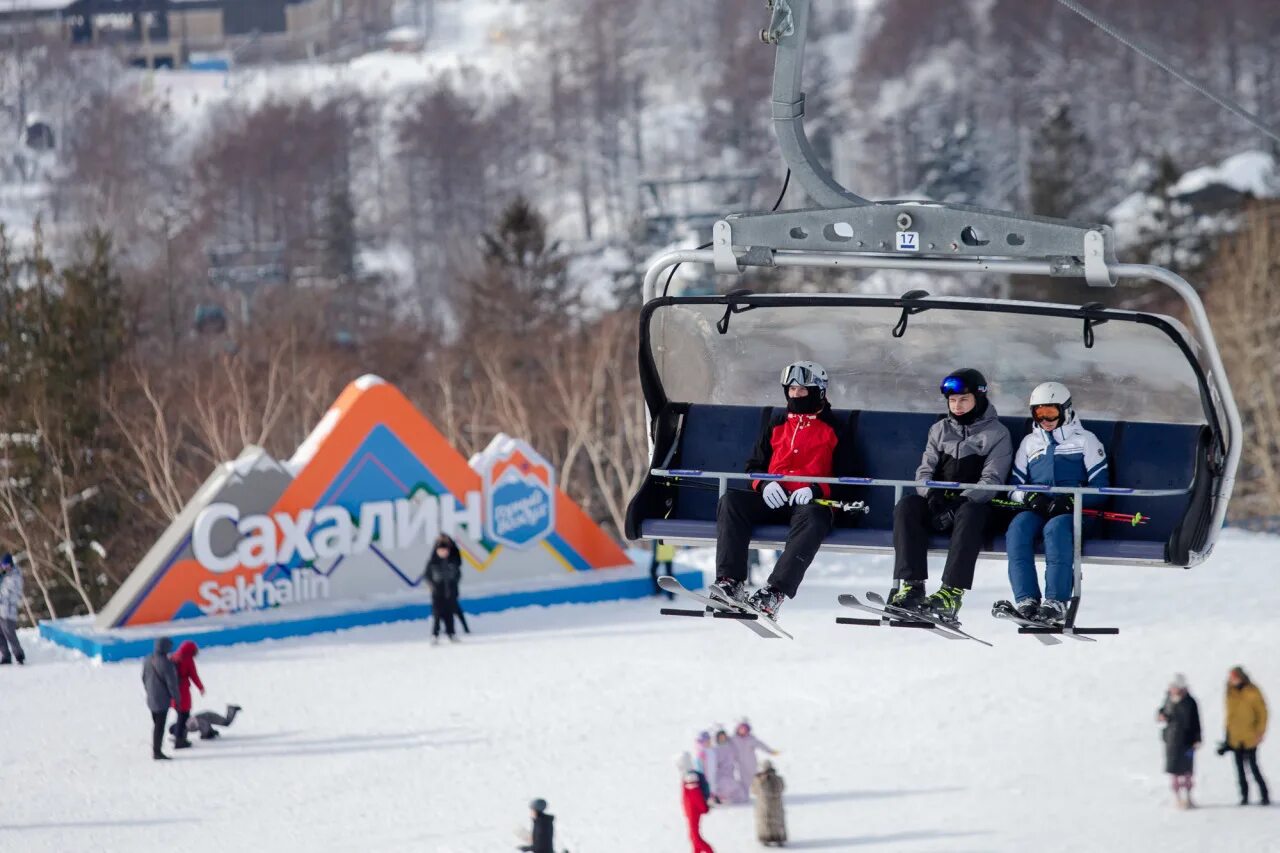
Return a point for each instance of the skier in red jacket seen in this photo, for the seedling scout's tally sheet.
(185, 660)
(695, 806)
(807, 440)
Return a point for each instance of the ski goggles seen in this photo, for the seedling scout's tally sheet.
(956, 385)
(798, 374)
(1052, 412)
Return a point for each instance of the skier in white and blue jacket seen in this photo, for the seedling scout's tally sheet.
(1058, 452)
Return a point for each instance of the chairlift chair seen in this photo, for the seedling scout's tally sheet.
(1154, 392)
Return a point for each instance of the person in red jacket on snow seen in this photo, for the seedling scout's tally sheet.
(185, 660)
(695, 806)
(807, 440)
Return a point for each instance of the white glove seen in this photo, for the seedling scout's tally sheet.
(800, 497)
(1018, 496)
(775, 497)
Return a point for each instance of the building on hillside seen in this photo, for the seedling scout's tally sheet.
(204, 33)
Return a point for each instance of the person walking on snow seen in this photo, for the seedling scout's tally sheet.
(443, 574)
(1181, 716)
(745, 745)
(695, 806)
(541, 836)
(10, 602)
(1246, 727)
(805, 440)
(185, 661)
(726, 785)
(160, 680)
(771, 822)
(1059, 451)
(969, 445)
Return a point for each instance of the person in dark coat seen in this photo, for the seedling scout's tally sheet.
(443, 574)
(184, 659)
(541, 837)
(160, 678)
(1181, 716)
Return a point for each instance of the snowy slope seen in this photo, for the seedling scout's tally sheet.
(374, 740)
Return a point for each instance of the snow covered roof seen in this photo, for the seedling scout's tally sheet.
(1251, 172)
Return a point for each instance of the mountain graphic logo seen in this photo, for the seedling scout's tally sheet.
(519, 493)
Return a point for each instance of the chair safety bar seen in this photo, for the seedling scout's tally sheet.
(725, 476)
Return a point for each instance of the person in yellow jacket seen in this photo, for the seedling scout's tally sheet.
(1246, 726)
(663, 557)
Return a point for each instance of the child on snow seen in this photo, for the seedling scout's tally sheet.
(727, 786)
(695, 806)
(767, 788)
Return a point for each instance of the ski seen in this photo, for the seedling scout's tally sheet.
(874, 598)
(1039, 629)
(742, 607)
(884, 618)
(718, 610)
(1004, 610)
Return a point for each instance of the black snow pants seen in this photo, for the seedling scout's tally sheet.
(180, 733)
(738, 511)
(157, 731)
(443, 607)
(912, 529)
(1251, 757)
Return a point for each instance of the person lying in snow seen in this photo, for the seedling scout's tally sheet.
(205, 721)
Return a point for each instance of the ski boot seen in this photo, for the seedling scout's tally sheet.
(1028, 608)
(728, 590)
(910, 596)
(1053, 612)
(945, 603)
(768, 601)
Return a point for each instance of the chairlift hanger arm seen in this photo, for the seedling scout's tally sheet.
(848, 223)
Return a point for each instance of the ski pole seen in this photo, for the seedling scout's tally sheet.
(1133, 519)
(840, 506)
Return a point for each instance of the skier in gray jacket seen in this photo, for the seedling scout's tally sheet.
(160, 678)
(10, 601)
(969, 445)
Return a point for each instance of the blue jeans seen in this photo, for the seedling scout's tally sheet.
(1020, 543)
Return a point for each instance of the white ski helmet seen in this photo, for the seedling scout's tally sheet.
(810, 374)
(1053, 394)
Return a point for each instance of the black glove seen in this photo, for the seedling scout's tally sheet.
(1039, 503)
(943, 518)
(1061, 505)
(1223, 749)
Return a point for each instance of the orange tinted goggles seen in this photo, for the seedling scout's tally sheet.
(1046, 413)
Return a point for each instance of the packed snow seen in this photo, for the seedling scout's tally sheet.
(373, 739)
